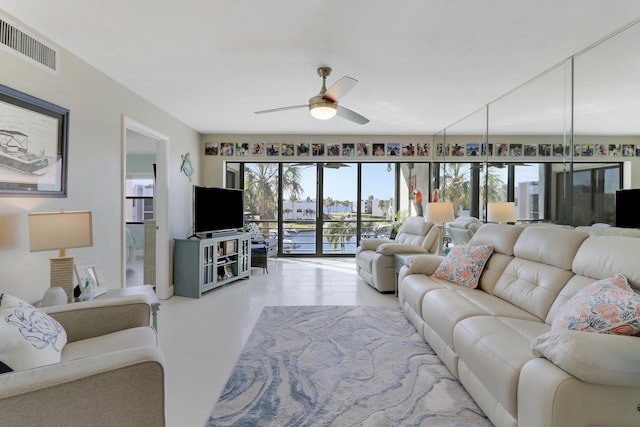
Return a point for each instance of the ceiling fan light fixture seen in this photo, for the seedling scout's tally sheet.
(321, 108)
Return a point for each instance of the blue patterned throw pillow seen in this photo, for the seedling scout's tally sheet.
(28, 337)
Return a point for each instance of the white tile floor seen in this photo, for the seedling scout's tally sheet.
(202, 338)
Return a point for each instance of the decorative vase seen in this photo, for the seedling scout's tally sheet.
(54, 296)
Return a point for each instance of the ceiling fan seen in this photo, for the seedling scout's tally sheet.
(324, 105)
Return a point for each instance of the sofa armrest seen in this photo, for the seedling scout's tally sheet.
(103, 316)
(372, 244)
(398, 248)
(118, 388)
(424, 264)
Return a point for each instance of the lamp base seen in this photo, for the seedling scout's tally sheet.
(62, 274)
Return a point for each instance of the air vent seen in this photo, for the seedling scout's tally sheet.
(18, 41)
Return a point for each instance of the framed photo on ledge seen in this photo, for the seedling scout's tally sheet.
(33, 146)
(89, 272)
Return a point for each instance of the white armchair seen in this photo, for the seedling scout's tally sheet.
(111, 371)
(375, 257)
(462, 229)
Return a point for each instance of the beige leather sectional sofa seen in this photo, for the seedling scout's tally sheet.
(496, 338)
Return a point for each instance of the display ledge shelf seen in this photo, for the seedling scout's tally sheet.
(223, 263)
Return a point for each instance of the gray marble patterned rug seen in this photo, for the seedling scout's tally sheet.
(341, 366)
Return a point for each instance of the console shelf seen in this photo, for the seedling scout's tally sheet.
(200, 265)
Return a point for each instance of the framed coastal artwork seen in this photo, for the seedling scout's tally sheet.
(33, 146)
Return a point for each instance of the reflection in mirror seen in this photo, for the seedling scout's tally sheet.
(528, 129)
(606, 125)
(461, 163)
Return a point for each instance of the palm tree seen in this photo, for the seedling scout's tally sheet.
(261, 184)
(458, 186)
(339, 233)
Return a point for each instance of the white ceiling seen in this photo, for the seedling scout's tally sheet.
(421, 64)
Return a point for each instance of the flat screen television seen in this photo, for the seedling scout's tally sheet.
(217, 209)
(626, 208)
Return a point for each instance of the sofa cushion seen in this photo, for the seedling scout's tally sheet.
(551, 246)
(600, 257)
(464, 264)
(494, 350)
(501, 236)
(28, 337)
(593, 358)
(143, 336)
(608, 306)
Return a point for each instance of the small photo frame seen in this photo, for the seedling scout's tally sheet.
(288, 150)
(378, 149)
(601, 150)
(408, 149)
(348, 149)
(273, 149)
(363, 149)
(530, 150)
(487, 149)
(443, 150)
(424, 150)
(230, 247)
(587, 150)
(502, 150)
(458, 150)
(90, 272)
(210, 148)
(302, 150)
(317, 149)
(628, 150)
(242, 148)
(258, 149)
(558, 150)
(515, 150)
(226, 149)
(333, 150)
(614, 150)
(544, 150)
(473, 149)
(393, 149)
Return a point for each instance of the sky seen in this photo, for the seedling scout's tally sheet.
(340, 184)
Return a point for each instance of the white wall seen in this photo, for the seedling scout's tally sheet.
(97, 104)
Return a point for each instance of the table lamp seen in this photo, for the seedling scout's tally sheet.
(501, 212)
(440, 212)
(60, 231)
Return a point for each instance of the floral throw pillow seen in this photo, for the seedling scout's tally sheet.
(463, 265)
(28, 337)
(608, 306)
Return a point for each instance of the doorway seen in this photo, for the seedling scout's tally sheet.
(144, 166)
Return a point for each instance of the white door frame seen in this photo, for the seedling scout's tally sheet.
(164, 286)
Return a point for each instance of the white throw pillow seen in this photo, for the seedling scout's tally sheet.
(606, 359)
(28, 337)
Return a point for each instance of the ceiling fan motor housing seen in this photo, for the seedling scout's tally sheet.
(322, 108)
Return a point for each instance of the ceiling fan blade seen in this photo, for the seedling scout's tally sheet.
(340, 88)
(348, 114)
(273, 110)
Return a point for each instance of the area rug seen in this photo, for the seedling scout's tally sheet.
(341, 366)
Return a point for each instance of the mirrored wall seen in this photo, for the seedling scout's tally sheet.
(559, 146)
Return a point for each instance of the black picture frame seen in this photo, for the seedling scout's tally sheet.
(33, 146)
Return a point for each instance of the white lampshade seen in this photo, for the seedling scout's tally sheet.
(501, 212)
(322, 109)
(440, 212)
(60, 230)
